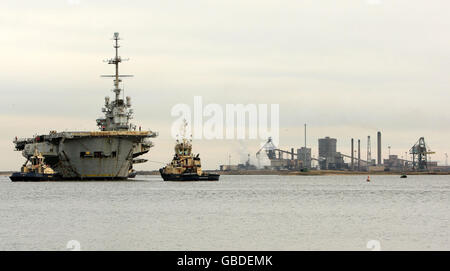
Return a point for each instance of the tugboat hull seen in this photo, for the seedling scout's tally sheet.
(33, 177)
(189, 177)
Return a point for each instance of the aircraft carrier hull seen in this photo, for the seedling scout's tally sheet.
(101, 155)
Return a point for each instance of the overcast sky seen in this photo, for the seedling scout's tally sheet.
(347, 68)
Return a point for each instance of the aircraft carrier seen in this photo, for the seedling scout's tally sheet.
(109, 153)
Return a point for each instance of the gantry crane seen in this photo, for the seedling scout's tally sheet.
(420, 152)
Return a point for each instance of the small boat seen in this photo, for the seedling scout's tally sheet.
(403, 176)
(35, 171)
(184, 165)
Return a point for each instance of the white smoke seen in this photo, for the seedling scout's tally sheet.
(259, 161)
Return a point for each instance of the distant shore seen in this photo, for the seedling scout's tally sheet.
(307, 173)
(6, 173)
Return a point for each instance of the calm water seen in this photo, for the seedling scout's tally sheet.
(236, 213)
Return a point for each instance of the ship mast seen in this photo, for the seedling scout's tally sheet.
(116, 60)
(117, 112)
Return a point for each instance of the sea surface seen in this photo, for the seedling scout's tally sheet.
(236, 213)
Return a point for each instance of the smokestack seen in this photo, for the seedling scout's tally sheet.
(359, 155)
(305, 135)
(351, 164)
(379, 148)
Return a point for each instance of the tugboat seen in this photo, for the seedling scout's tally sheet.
(184, 165)
(34, 171)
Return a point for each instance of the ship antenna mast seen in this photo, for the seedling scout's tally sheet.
(116, 60)
(184, 130)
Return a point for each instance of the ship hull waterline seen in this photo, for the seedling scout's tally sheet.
(38, 177)
(32, 177)
(90, 156)
(189, 177)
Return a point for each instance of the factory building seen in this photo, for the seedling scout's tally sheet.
(329, 158)
(304, 155)
(327, 147)
(394, 163)
(327, 152)
(282, 163)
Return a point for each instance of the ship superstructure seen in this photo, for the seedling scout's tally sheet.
(106, 154)
(118, 113)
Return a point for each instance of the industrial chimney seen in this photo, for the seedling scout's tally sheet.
(359, 155)
(352, 156)
(379, 148)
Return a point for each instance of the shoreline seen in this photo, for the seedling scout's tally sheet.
(6, 173)
(308, 173)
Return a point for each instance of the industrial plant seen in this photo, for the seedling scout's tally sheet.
(416, 159)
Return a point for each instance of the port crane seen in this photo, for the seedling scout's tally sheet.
(420, 151)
